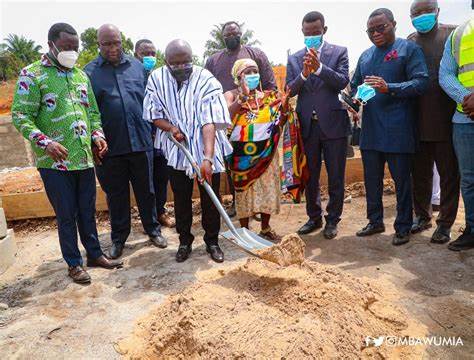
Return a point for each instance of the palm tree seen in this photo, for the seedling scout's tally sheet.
(22, 48)
(217, 43)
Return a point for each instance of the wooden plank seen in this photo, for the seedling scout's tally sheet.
(36, 204)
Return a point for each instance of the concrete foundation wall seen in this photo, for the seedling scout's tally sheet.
(7, 243)
(15, 151)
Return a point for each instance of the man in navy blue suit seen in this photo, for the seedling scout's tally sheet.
(396, 69)
(317, 74)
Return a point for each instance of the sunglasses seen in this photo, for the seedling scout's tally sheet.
(380, 29)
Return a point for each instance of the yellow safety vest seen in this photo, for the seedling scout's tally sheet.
(462, 47)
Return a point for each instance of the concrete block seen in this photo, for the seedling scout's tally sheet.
(7, 251)
(3, 224)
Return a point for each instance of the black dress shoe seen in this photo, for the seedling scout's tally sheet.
(216, 253)
(420, 224)
(371, 229)
(442, 235)
(159, 241)
(310, 226)
(464, 242)
(115, 251)
(400, 238)
(183, 253)
(330, 231)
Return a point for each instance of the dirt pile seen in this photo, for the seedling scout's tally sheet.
(289, 251)
(261, 311)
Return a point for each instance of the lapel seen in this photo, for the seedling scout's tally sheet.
(325, 57)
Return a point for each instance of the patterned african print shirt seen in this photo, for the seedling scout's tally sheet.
(55, 105)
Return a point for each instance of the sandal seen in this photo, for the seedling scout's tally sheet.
(269, 234)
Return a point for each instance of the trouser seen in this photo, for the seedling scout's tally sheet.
(400, 169)
(182, 187)
(335, 153)
(115, 174)
(463, 139)
(442, 154)
(160, 181)
(72, 195)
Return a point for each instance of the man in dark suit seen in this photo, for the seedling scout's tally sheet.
(396, 69)
(317, 74)
(435, 129)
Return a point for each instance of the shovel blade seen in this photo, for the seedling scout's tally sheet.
(247, 240)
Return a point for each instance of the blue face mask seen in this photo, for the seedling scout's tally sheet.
(424, 23)
(149, 62)
(365, 93)
(252, 81)
(313, 41)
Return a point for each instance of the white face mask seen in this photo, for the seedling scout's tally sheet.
(67, 58)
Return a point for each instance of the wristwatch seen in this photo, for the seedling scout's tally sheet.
(208, 159)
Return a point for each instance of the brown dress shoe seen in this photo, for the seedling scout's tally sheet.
(105, 263)
(79, 275)
(166, 221)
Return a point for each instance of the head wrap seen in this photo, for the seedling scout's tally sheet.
(239, 67)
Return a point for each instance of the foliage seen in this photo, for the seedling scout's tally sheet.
(217, 43)
(15, 53)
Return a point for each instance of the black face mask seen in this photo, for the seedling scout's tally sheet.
(182, 73)
(232, 42)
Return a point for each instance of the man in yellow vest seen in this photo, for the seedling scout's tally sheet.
(456, 77)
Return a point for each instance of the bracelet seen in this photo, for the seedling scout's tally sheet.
(208, 159)
(242, 98)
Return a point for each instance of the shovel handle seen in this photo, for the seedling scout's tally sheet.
(207, 187)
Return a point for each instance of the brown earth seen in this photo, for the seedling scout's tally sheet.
(261, 311)
(6, 96)
(49, 317)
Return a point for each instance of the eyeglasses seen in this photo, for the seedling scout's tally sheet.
(181, 66)
(379, 28)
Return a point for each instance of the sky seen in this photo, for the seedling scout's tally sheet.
(277, 25)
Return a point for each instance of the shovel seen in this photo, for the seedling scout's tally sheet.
(241, 237)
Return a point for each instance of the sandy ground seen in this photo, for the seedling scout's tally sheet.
(50, 318)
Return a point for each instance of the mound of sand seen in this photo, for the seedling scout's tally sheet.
(260, 311)
(289, 251)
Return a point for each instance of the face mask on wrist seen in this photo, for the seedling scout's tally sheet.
(232, 42)
(252, 81)
(313, 42)
(149, 62)
(365, 93)
(66, 58)
(424, 23)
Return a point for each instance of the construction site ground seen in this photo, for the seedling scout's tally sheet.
(49, 317)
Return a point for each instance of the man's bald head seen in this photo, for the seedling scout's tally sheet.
(420, 7)
(106, 30)
(178, 52)
(110, 43)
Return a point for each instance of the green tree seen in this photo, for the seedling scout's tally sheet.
(90, 46)
(15, 53)
(217, 43)
(22, 48)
